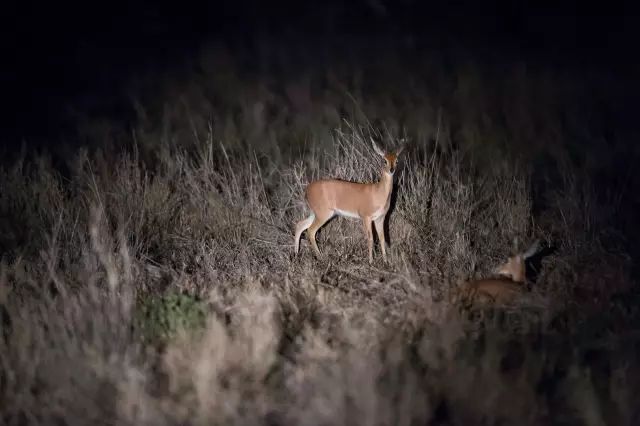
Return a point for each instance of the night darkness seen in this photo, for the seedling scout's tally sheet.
(159, 201)
(61, 54)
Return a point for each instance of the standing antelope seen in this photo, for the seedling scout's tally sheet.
(367, 201)
(504, 289)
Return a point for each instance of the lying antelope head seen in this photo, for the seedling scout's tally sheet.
(500, 290)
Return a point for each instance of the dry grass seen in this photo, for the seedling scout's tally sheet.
(293, 340)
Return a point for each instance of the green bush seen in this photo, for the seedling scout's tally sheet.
(161, 317)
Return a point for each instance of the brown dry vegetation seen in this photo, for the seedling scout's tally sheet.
(157, 284)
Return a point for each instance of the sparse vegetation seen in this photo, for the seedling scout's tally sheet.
(156, 283)
(160, 318)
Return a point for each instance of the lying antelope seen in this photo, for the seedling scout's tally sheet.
(502, 290)
(366, 201)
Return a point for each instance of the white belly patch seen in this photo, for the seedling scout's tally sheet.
(379, 213)
(346, 213)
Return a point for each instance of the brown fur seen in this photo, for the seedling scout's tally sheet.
(503, 290)
(367, 201)
(490, 291)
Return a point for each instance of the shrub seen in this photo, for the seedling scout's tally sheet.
(160, 318)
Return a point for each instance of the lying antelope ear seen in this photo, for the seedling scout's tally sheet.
(535, 247)
(399, 150)
(376, 148)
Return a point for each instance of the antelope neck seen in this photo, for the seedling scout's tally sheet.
(386, 180)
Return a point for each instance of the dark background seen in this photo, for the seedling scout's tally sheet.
(58, 54)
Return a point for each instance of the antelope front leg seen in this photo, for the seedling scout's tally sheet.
(380, 232)
(369, 232)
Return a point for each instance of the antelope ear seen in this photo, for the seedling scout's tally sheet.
(376, 148)
(535, 248)
(399, 150)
